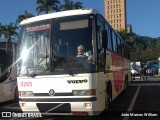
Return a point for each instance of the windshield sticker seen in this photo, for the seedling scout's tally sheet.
(38, 28)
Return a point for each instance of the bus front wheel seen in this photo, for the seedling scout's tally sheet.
(16, 95)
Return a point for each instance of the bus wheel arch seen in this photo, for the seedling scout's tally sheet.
(108, 94)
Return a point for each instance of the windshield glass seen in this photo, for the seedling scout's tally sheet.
(35, 48)
(61, 46)
(72, 48)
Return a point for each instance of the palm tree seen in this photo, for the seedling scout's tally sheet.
(70, 5)
(9, 31)
(24, 16)
(47, 6)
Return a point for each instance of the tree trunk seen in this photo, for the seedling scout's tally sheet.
(8, 44)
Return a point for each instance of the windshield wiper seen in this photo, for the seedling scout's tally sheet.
(35, 69)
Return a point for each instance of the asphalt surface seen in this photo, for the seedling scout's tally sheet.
(141, 101)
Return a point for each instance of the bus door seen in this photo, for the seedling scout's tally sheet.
(101, 59)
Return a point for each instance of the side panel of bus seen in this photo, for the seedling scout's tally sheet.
(8, 87)
(8, 72)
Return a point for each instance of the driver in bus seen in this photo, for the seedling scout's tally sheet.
(82, 53)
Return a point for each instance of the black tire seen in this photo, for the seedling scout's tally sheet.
(16, 98)
(125, 83)
(108, 96)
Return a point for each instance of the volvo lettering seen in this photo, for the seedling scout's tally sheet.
(77, 81)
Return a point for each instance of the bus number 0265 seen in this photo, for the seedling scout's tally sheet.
(26, 84)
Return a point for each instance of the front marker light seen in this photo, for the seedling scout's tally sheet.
(81, 93)
(26, 93)
(90, 92)
(87, 105)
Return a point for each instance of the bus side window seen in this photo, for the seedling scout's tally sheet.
(114, 42)
(122, 46)
(119, 46)
(108, 42)
(100, 49)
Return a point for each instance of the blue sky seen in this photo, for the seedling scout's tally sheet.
(143, 15)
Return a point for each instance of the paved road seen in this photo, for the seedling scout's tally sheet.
(141, 101)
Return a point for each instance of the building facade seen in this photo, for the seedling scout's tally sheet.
(13, 48)
(115, 14)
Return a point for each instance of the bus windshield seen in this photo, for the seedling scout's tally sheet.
(50, 47)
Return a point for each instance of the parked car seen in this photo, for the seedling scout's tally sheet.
(151, 64)
(136, 66)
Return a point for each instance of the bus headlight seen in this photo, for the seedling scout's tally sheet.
(26, 93)
(90, 92)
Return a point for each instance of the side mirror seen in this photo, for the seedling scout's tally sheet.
(104, 38)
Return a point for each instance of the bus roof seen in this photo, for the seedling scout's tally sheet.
(59, 14)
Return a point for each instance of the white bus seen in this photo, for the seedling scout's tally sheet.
(53, 80)
(8, 73)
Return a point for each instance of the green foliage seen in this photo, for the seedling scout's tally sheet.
(24, 16)
(142, 48)
(9, 32)
(47, 6)
(70, 5)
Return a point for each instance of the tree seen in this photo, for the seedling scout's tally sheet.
(47, 6)
(143, 48)
(8, 31)
(24, 16)
(70, 5)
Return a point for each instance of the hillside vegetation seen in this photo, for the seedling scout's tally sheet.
(142, 48)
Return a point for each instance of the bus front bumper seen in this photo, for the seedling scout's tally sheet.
(60, 106)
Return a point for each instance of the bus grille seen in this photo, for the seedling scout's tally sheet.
(54, 107)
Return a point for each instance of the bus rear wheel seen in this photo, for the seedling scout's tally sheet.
(125, 83)
(108, 97)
